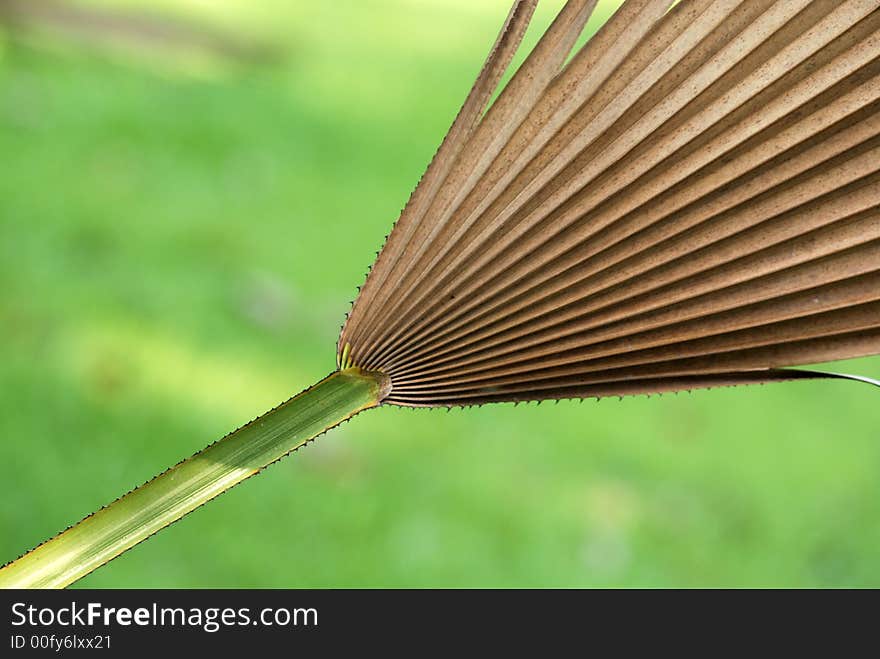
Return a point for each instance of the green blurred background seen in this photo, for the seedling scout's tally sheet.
(191, 191)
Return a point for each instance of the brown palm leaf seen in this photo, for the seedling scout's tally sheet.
(692, 200)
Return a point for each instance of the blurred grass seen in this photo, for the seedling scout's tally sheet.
(178, 246)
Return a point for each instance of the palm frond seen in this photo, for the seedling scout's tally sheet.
(692, 199)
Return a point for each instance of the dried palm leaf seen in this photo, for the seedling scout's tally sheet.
(691, 200)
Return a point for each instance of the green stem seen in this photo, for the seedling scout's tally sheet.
(148, 509)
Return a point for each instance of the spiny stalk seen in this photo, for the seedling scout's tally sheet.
(156, 504)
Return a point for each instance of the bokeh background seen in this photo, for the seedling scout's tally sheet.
(191, 190)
